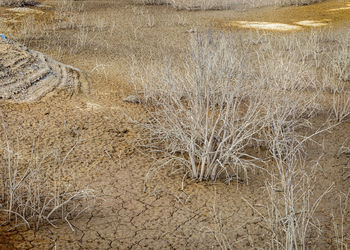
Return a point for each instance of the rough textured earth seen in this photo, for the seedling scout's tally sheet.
(167, 211)
(28, 75)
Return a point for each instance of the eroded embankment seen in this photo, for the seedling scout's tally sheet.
(28, 75)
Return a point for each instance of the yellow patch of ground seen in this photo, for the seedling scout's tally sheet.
(265, 25)
(291, 18)
(12, 18)
(342, 8)
(26, 10)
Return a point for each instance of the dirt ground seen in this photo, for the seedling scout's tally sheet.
(158, 214)
(325, 13)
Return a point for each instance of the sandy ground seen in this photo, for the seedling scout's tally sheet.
(158, 215)
(291, 18)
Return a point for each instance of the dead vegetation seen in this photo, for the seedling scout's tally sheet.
(224, 4)
(227, 108)
(240, 104)
(233, 93)
(37, 188)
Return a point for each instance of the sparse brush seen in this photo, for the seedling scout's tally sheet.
(205, 118)
(152, 2)
(341, 106)
(227, 97)
(224, 99)
(223, 4)
(290, 211)
(340, 59)
(34, 191)
(66, 7)
(340, 224)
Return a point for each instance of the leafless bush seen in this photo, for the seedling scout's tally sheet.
(290, 215)
(223, 97)
(34, 191)
(206, 117)
(66, 7)
(340, 58)
(269, 82)
(339, 224)
(228, 95)
(292, 205)
(341, 106)
(293, 89)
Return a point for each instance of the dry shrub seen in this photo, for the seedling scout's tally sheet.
(342, 239)
(205, 115)
(40, 188)
(227, 94)
(228, 97)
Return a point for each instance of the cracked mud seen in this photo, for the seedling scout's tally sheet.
(131, 213)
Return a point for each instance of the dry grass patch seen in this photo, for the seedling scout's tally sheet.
(36, 185)
(224, 4)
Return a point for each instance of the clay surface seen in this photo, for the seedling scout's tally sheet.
(167, 211)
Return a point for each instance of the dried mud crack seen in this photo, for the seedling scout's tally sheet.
(166, 211)
(28, 75)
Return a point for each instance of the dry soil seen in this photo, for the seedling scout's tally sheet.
(101, 39)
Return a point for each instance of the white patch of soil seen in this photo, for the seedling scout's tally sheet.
(266, 25)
